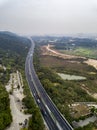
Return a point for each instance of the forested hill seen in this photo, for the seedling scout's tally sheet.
(12, 42)
(13, 52)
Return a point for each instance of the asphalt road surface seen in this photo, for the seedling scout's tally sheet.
(50, 113)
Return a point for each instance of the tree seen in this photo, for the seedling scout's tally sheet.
(36, 122)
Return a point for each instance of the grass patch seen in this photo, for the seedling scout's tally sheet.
(82, 51)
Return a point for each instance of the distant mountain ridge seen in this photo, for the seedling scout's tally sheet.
(8, 33)
(13, 42)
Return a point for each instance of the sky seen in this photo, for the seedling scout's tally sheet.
(41, 17)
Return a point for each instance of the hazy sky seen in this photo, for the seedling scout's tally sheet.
(48, 16)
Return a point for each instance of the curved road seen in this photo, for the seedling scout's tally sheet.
(52, 116)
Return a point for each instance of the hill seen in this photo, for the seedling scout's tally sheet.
(13, 51)
(13, 42)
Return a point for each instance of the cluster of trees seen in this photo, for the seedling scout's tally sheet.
(61, 92)
(5, 113)
(90, 126)
(13, 52)
(71, 43)
(36, 122)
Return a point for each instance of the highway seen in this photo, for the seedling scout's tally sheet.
(50, 113)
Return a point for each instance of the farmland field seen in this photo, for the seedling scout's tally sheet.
(82, 51)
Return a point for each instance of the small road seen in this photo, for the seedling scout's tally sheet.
(51, 115)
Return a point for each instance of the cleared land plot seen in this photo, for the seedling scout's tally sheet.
(71, 77)
(79, 110)
(69, 65)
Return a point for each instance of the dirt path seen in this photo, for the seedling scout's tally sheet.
(64, 56)
(91, 62)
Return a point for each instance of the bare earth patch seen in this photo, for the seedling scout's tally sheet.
(94, 95)
(15, 88)
(82, 109)
(79, 109)
(46, 50)
(92, 62)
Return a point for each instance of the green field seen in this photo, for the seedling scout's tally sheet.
(82, 51)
